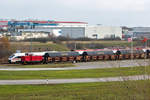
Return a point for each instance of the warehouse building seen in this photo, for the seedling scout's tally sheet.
(136, 32)
(140, 32)
(71, 32)
(103, 32)
(96, 32)
(20, 30)
(3, 25)
(54, 28)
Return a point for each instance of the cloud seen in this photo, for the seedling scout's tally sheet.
(112, 12)
(109, 5)
(86, 5)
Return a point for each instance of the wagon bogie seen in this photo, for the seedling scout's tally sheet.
(100, 57)
(106, 57)
(113, 57)
(78, 58)
(94, 58)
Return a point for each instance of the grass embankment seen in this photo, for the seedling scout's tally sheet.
(100, 41)
(60, 65)
(129, 90)
(37, 46)
(104, 44)
(67, 74)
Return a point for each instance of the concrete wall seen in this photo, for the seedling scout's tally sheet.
(73, 32)
(102, 32)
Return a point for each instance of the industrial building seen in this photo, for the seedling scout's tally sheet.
(40, 29)
(58, 28)
(103, 32)
(25, 29)
(140, 32)
(20, 30)
(71, 32)
(136, 32)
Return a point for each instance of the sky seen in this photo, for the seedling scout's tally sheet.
(105, 12)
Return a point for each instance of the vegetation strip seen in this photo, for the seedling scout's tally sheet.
(127, 90)
(67, 74)
(60, 65)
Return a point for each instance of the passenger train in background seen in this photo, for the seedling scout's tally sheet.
(79, 56)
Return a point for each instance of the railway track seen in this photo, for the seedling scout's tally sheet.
(88, 65)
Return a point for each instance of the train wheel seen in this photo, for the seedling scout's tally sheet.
(24, 62)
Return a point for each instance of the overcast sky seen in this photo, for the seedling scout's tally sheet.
(105, 12)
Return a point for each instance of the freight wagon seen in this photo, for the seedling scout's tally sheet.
(72, 56)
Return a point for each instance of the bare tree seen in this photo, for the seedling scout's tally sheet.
(4, 48)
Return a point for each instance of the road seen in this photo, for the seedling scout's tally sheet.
(87, 65)
(79, 80)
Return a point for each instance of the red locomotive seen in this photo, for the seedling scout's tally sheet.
(30, 59)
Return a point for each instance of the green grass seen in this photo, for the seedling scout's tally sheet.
(53, 46)
(90, 73)
(37, 46)
(60, 65)
(129, 90)
(105, 43)
(98, 41)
